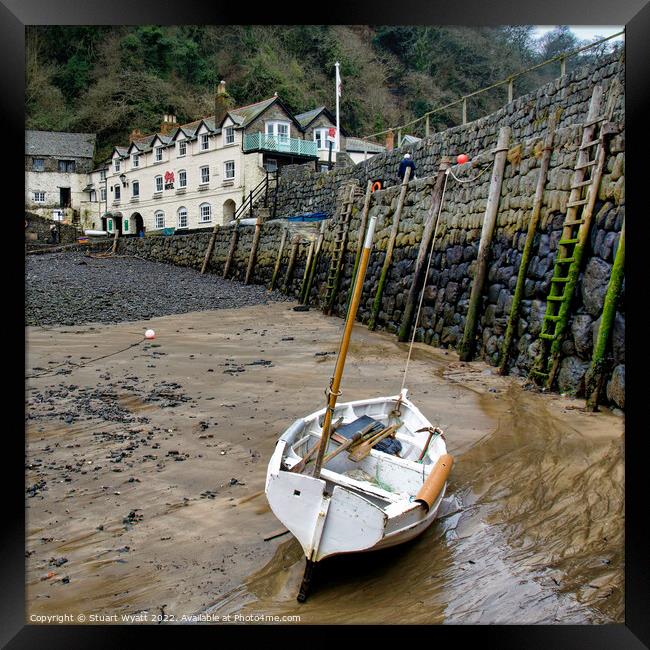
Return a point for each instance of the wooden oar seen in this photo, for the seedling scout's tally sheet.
(365, 448)
(300, 465)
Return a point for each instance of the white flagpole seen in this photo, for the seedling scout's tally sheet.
(338, 93)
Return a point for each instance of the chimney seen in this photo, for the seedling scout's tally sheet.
(390, 141)
(222, 103)
(168, 124)
(136, 134)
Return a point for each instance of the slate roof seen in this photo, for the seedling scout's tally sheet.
(246, 114)
(356, 144)
(58, 144)
(306, 118)
(410, 139)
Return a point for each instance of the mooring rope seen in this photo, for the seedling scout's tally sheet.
(426, 275)
(470, 180)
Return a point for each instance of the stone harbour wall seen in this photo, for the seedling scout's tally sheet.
(448, 285)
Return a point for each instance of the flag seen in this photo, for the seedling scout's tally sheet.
(338, 82)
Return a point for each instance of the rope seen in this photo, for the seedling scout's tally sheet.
(426, 275)
(470, 180)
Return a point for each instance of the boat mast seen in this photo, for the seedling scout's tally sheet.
(333, 391)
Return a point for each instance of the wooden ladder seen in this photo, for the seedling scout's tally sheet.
(341, 228)
(587, 175)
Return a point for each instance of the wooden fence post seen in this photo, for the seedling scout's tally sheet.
(426, 126)
(254, 245)
(425, 244)
(372, 323)
(231, 249)
(466, 346)
(596, 373)
(210, 249)
(314, 264)
(292, 261)
(305, 275)
(283, 241)
(513, 319)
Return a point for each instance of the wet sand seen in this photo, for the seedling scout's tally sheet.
(145, 473)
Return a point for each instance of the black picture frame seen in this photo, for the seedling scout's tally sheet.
(634, 14)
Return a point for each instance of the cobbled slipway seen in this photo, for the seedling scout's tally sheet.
(73, 288)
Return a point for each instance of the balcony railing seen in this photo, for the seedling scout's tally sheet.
(291, 146)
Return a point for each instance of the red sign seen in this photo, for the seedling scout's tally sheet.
(332, 132)
(169, 177)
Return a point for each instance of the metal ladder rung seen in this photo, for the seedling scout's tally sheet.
(539, 373)
(551, 317)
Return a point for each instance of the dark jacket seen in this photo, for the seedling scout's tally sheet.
(406, 162)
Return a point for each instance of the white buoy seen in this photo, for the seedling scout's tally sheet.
(149, 334)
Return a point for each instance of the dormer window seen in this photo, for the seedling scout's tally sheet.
(320, 138)
(159, 152)
(229, 135)
(116, 164)
(205, 143)
(135, 160)
(182, 148)
(279, 130)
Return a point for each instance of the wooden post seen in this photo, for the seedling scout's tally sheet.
(399, 138)
(361, 233)
(210, 249)
(115, 238)
(283, 241)
(372, 323)
(562, 66)
(292, 261)
(513, 319)
(305, 275)
(333, 392)
(425, 244)
(464, 110)
(466, 346)
(231, 250)
(511, 89)
(596, 374)
(314, 264)
(426, 126)
(255, 244)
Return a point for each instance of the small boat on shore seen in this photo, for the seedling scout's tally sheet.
(357, 476)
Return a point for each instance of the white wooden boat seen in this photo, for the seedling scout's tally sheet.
(366, 499)
(337, 513)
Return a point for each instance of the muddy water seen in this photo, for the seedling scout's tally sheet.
(532, 530)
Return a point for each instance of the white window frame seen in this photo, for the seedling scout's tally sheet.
(158, 214)
(182, 179)
(229, 135)
(116, 164)
(324, 145)
(135, 160)
(204, 180)
(159, 154)
(117, 193)
(226, 176)
(102, 194)
(38, 168)
(201, 213)
(37, 194)
(272, 128)
(156, 189)
(135, 184)
(181, 215)
(205, 140)
(182, 149)
(102, 174)
(93, 196)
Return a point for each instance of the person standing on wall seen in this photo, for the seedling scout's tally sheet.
(404, 165)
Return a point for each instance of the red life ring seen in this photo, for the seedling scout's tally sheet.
(375, 186)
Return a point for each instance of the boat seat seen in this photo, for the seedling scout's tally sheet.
(363, 486)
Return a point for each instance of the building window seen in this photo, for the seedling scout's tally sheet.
(182, 217)
(135, 160)
(102, 193)
(39, 197)
(229, 135)
(182, 148)
(93, 196)
(102, 174)
(159, 154)
(116, 164)
(135, 188)
(159, 184)
(320, 137)
(205, 213)
(182, 179)
(229, 170)
(38, 164)
(280, 130)
(205, 175)
(205, 144)
(159, 219)
(66, 166)
(117, 192)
